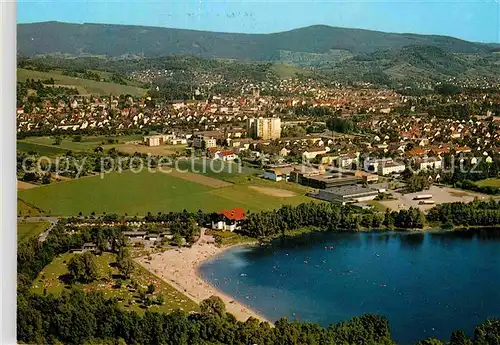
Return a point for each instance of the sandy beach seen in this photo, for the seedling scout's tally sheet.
(179, 268)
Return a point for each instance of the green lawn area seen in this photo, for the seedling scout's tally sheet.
(49, 279)
(44, 145)
(489, 182)
(228, 238)
(377, 206)
(26, 230)
(150, 192)
(84, 86)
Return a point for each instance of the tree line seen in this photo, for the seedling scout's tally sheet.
(475, 213)
(327, 217)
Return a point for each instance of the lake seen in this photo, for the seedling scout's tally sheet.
(426, 284)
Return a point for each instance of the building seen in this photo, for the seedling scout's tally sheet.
(264, 128)
(154, 140)
(224, 155)
(87, 247)
(278, 174)
(201, 142)
(311, 153)
(347, 194)
(383, 166)
(228, 220)
(429, 163)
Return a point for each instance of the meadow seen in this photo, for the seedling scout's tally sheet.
(42, 149)
(489, 182)
(52, 280)
(45, 145)
(26, 230)
(137, 194)
(84, 86)
(26, 210)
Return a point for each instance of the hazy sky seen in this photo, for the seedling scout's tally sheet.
(475, 20)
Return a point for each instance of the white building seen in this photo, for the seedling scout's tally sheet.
(264, 128)
(200, 142)
(383, 166)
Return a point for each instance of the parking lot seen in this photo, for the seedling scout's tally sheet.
(440, 195)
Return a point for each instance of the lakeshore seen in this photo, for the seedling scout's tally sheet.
(180, 268)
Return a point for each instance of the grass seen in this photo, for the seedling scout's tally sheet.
(228, 238)
(285, 71)
(26, 230)
(162, 150)
(84, 86)
(44, 145)
(226, 171)
(24, 209)
(489, 182)
(50, 280)
(150, 192)
(377, 206)
(42, 149)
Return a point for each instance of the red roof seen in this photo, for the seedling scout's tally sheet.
(226, 153)
(234, 214)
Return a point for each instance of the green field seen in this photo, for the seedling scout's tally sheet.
(226, 171)
(489, 182)
(50, 279)
(44, 145)
(152, 192)
(26, 230)
(285, 71)
(84, 86)
(26, 210)
(41, 149)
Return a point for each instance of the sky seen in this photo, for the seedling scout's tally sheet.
(473, 20)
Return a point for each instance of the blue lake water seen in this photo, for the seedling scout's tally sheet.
(426, 284)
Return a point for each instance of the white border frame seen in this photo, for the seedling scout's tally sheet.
(8, 233)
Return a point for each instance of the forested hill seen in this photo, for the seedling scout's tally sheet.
(303, 43)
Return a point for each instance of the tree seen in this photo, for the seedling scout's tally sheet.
(58, 140)
(151, 289)
(160, 299)
(125, 262)
(77, 138)
(46, 178)
(459, 338)
(213, 306)
(83, 268)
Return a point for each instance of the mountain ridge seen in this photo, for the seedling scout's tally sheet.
(94, 39)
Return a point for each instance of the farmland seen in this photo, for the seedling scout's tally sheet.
(52, 278)
(26, 230)
(84, 86)
(138, 194)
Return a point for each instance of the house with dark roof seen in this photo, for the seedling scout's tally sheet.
(228, 220)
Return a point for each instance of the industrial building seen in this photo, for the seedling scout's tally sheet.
(347, 194)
